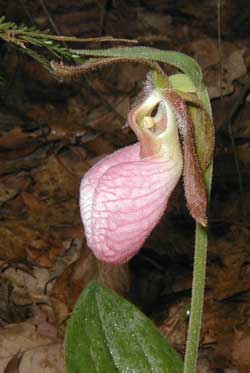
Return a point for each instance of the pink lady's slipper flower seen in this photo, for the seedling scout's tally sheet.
(123, 196)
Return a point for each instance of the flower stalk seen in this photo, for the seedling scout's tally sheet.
(198, 283)
(198, 286)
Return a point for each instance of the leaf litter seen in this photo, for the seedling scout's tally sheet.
(51, 133)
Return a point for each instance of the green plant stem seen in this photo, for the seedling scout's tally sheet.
(198, 286)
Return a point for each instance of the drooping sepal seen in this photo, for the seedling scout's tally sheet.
(194, 186)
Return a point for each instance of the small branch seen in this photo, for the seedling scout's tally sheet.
(51, 21)
(75, 39)
(237, 104)
(238, 170)
(228, 124)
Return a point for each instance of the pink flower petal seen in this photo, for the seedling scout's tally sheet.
(123, 197)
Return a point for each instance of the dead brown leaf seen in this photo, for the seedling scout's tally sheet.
(221, 68)
(14, 363)
(39, 353)
(76, 277)
(15, 138)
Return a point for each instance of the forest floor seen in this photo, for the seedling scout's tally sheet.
(52, 131)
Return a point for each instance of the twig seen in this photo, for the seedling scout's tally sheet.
(51, 21)
(88, 83)
(103, 6)
(75, 39)
(26, 10)
(233, 112)
(237, 104)
(237, 167)
(228, 123)
(106, 102)
(219, 44)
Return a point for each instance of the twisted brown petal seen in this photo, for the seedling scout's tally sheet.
(194, 187)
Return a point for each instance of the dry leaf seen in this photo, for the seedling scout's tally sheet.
(40, 353)
(76, 277)
(14, 363)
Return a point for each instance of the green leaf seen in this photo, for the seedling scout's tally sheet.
(107, 334)
(180, 60)
(182, 83)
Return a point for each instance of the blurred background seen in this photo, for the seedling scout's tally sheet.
(52, 130)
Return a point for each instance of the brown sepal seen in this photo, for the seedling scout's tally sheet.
(204, 137)
(194, 186)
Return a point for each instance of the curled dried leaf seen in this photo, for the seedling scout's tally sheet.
(14, 362)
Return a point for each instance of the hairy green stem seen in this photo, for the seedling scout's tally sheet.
(198, 286)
